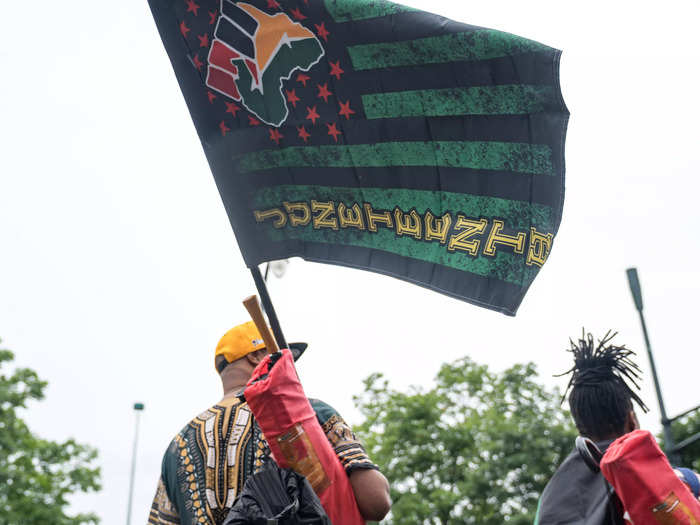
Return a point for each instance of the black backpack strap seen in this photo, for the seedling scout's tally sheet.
(591, 455)
(589, 452)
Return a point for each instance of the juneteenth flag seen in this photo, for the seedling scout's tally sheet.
(368, 134)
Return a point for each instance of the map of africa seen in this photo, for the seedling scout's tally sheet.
(264, 50)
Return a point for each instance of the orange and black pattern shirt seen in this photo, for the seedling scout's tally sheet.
(207, 463)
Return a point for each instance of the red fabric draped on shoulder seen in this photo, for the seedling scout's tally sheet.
(650, 491)
(295, 437)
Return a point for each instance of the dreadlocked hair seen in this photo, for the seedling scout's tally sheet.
(600, 398)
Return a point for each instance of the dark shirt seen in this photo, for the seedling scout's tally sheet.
(575, 495)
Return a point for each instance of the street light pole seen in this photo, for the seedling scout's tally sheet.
(138, 408)
(636, 290)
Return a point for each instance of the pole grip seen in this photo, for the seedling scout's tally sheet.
(635, 288)
(253, 306)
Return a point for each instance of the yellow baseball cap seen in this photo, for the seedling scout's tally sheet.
(245, 338)
(239, 341)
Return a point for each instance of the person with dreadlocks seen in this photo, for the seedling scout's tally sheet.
(601, 403)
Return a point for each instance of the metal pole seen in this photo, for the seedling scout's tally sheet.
(687, 442)
(138, 408)
(636, 290)
(683, 414)
(267, 305)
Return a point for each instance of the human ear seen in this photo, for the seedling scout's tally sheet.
(632, 422)
(254, 358)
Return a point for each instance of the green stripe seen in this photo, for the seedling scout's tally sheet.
(482, 44)
(518, 215)
(504, 266)
(486, 100)
(505, 156)
(349, 10)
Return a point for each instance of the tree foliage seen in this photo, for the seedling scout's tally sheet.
(36, 475)
(682, 429)
(477, 447)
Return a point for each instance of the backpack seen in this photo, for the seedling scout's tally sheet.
(276, 496)
(295, 437)
(651, 492)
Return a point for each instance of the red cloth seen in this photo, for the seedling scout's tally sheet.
(650, 491)
(296, 438)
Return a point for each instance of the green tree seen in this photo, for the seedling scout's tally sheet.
(36, 475)
(477, 447)
(683, 429)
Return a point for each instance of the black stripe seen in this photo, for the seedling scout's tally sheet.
(526, 68)
(537, 189)
(455, 283)
(238, 15)
(234, 37)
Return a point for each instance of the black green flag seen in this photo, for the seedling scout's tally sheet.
(368, 134)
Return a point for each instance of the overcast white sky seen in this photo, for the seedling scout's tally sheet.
(119, 271)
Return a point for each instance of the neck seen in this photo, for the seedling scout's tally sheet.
(233, 380)
(233, 391)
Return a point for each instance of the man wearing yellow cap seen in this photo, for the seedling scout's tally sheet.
(208, 461)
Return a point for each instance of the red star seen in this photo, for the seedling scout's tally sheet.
(301, 77)
(204, 41)
(192, 7)
(275, 135)
(332, 130)
(211, 96)
(313, 115)
(323, 92)
(232, 108)
(184, 29)
(322, 31)
(197, 63)
(297, 14)
(253, 121)
(345, 110)
(212, 16)
(336, 70)
(273, 4)
(292, 97)
(303, 133)
(223, 128)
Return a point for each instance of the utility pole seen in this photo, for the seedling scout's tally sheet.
(138, 408)
(636, 290)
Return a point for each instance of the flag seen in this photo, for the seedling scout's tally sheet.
(368, 134)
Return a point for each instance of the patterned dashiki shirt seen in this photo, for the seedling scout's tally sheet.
(207, 463)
